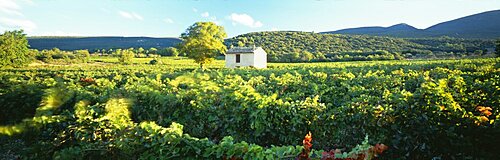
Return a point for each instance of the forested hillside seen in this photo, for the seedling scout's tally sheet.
(307, 46)
(288, 46)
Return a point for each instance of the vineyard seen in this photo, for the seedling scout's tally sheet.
(173, 110)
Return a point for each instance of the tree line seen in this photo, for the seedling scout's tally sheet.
(15, 52)
(141, 52)
(280, 46)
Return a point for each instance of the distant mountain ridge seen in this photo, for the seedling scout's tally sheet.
(483, 25)
(95, 43)
(398, 30)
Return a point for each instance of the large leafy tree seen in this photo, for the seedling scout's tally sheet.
(203, 41)
(14, 49)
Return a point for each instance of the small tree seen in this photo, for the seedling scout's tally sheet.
(497, 48)
(320, 56)
(140, 50)
(33, 53)
(241, 44)
(46, 56)
(306, 56)
(126, 56)
(152, 50)
(14, 49)
(295, 56)
(478, 52)
(172, 51)
(203, 41)
(82, 55)
(154, 61)
(116, 53)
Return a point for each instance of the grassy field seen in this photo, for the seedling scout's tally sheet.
(186, 63)
(175, 62)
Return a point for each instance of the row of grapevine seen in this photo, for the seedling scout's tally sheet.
(420, 109)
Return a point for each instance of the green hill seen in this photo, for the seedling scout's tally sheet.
(288, 46)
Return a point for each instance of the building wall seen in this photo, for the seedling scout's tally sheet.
(230, 60)
(246, 59)
(258, 59)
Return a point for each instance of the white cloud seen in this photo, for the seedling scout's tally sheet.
(14, 18)
(137, 16)
(195, 10)
(168, 20)
(210, 18)
(205, 14)
(26, 25)
(258, 24)
(274, 29)
(214, 19)
(244, 19)
(130, 15)
(60, 33)
(10, 7)
(29, 2)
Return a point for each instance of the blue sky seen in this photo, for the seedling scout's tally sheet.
(169, 18)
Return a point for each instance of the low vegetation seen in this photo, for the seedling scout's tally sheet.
(134, 104)
(56, 56)
(419, 109)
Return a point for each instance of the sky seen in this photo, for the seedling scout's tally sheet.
(170, 18)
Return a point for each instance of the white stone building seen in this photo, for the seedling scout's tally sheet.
(246, 57)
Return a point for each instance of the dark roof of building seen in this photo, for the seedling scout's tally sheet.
(235, 50)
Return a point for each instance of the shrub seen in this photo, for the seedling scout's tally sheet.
(126, 56)
(153, 62)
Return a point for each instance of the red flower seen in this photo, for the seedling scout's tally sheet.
(307, 141)
(484, 118)
(307, 147)
(484, 110)
(487, 113)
